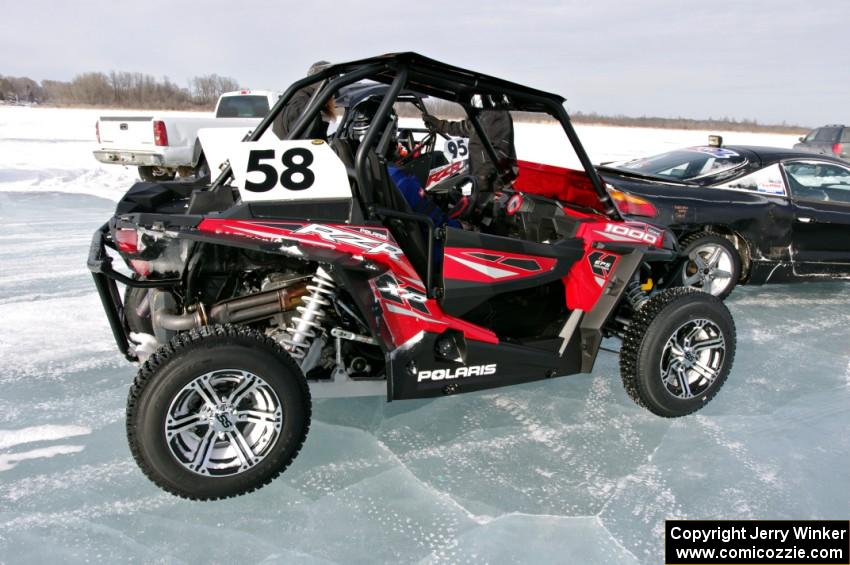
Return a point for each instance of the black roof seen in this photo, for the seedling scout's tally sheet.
(433, 78)
(768, 155)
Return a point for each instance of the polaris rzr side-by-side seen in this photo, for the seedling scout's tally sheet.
(305, 269)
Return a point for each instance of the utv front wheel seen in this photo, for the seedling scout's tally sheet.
(217, 412)
(677, 351)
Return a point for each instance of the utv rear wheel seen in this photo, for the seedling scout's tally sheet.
(678, 351)
(137, 310)
(712, 264)
(217, 412)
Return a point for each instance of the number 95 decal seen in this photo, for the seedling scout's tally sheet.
(289, 170)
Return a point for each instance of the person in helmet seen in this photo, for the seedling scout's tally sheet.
(409, 186)
(318, 128)
(498, 126)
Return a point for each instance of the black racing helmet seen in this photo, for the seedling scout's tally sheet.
(362, 116)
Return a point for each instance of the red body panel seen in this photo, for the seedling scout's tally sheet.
(401, 293)
(559, 183)
(588, 277)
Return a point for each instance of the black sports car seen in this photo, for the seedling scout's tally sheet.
(748, 215)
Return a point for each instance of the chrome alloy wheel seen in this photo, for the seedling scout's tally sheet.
(692, 358)
(223, 423)
(709, 268)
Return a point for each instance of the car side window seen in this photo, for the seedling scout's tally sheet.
(818, 181)
(767, 181)
(827, 134)
(811, 136)
(845, 136)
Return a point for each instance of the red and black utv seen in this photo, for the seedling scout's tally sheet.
(303, 269)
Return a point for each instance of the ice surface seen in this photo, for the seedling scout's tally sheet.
(563, 471)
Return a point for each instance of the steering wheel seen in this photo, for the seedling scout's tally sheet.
(459, 206)
(414, 149)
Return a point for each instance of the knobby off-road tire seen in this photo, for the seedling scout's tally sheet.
(678, 351)
(217, 412)
(702, 269)
(133, 298)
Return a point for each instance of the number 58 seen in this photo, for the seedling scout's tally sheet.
(287, 177)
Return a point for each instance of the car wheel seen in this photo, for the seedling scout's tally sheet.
(217, 412)
(678, 351)
(148, 174)
(712, 264)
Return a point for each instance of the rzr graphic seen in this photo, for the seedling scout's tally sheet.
(403, 296)
(256, 301)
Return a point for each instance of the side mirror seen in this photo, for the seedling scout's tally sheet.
(802, 138)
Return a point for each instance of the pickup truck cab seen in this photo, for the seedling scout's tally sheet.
(165, 144)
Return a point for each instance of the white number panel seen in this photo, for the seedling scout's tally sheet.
(456, 149)
(288, 170)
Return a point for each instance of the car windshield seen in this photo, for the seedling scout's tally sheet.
(684, 164)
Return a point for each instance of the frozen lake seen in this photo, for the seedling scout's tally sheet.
(567, 471)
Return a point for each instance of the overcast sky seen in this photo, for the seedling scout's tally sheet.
(773, 60)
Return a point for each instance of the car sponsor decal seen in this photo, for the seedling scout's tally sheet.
(444, 172)
(719, 152)
(601, 264)
(631, 233)
(456, 373)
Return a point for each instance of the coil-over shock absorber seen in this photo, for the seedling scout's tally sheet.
(308, 324)
(635, 295)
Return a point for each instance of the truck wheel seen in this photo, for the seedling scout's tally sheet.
(137, 310)
(148, 174)
(712, 264)
(677, 351)
(202, 169)
(217, 412)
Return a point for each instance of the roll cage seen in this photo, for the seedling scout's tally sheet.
(411, 72)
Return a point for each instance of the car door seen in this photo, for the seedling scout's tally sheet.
(820, 193)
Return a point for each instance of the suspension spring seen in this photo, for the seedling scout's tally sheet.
(307, 326)
(635, 295)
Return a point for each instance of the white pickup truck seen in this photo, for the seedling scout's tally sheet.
(163, 145)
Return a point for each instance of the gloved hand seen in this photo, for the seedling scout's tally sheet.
(431, 122)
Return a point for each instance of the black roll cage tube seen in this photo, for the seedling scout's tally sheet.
(331, 85)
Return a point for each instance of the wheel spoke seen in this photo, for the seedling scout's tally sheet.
(693, 279)
(241, 392)
(205, 392)
(683, 382)
(698, 260)
(184, 423)
(698, 326)
(204, 450)
(243, 450)
(714, 257)
(709, 374)
(258, 416)
(670, 374)
(722, 274)
(710, 343)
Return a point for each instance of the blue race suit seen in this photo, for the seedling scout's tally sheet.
(416, 197)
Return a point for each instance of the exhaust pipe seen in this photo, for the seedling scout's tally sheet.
(234, 311)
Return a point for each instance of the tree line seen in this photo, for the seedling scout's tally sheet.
(118, 89)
